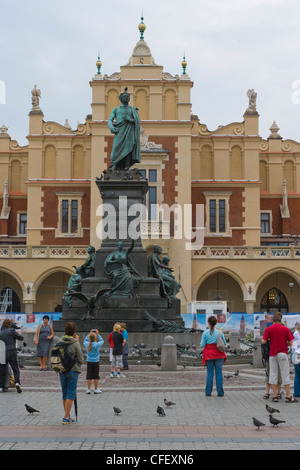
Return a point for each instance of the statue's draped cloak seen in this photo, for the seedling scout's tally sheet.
(127, 140)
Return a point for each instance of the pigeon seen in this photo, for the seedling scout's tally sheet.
(236, 373)
(30, 409)
(184, 365)
(271, 410)
(275, 421)
(158, 364)
(257, 423)
(228, 376)
(160, 411)
(117, 411)
(168, 403)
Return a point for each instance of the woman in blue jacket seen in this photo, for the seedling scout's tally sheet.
(93, 343)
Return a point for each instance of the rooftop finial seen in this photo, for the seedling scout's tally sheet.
(142, 28)
(98, 64)
(184, 65)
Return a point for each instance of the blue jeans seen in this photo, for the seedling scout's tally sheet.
(297, 380)
(213, 365)
(68, 383)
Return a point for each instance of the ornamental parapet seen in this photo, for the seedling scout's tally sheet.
(42, 251)
(247, 252)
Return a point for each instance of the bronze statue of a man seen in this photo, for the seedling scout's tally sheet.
(124, 122)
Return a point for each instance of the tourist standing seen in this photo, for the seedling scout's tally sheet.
(280, 338)
(9, 335)
(296, 351)
(117, 350)
(212, 357)
(93, 343)
(42, 337)
(68, 380)
(125, 351)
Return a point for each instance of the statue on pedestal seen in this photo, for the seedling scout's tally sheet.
(161, 270)
(74, 285)
(119, 267)
(124, 122)
(35, 99)
(87, 269)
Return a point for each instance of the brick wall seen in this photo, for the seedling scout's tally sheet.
(236, 214)
(50, 216)
(279, 225)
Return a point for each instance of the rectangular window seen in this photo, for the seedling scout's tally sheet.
(152, 201)
(74, 216)
(265, 222)
(217, 213)
(212, 215)
(222, 221)
(69, 216)
(22, 224)
(152, 176)
(65, 216)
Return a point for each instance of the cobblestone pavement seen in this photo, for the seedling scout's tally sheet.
(195, 422)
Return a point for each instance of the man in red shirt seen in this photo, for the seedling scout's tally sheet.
(280, 338)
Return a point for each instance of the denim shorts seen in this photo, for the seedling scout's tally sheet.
(68, 383)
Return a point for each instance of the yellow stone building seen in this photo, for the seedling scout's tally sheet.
(248, 187)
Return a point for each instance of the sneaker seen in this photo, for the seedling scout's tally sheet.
(112, 375)
(66, 421)
(118, 375)
(18, 387)
(88, 392)
(97, 391)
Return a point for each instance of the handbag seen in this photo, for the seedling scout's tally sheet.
(220, 342)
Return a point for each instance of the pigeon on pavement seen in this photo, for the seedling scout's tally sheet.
(236, 373)
(30, 409)
(275, 421)
(271, 410)
(228, 376)
(257, 423)
(168, 403)
(117, 410)
(160, 411)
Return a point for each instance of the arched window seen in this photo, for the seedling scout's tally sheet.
(263, 175)
(236, 163)
(289, 175)
(112, 102)
(15, 184)
(50, 162)
(170, 113)
(274, 301)
(10, 300)
(78, 162)
(206, 163)
(141, 102)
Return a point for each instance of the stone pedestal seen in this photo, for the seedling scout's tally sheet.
(122, 195)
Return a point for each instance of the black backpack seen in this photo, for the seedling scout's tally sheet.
(61, 360)
(265, 353)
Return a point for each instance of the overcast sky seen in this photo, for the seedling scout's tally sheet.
(230, 46)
